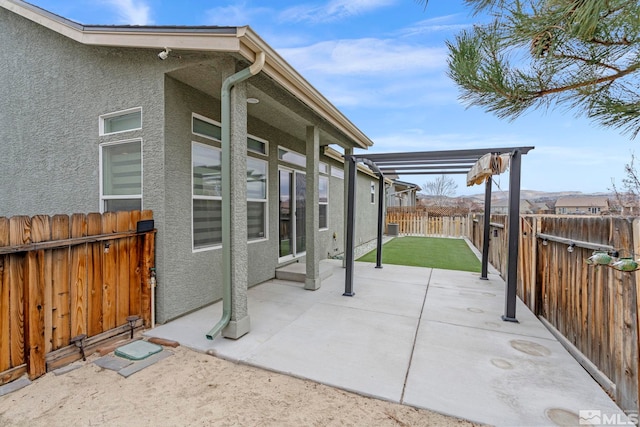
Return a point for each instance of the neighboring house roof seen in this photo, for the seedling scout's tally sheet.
(585, 201)
(242, 41)
(406, 185)
(502, 205)
(540, 206)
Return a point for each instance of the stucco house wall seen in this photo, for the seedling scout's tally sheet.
(49, 137)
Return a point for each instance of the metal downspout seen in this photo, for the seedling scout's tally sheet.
(227, 85)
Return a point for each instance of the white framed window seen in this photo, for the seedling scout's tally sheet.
(205, 127)
(373, 192)
(257, 145)
(121, 176)
(257, 203)
(120, 121)
(207, 197)
(292, 157)
(323, 202)
(337, 172)
(323, 168)
(211, 129)
(206, 188)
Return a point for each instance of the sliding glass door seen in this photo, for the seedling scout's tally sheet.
(293, 188)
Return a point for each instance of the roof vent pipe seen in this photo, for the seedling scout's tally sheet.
(227, 85)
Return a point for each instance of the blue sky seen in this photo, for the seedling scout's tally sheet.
(383, 64)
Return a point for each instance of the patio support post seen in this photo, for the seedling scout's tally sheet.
(239, 323)
(380, 220)
(514, 234)
(234, 165)
(486, 231)
(347, 152)
(312, 221)
(350, 225)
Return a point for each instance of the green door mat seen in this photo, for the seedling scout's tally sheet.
(138, 350)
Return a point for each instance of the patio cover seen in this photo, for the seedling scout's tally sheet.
(444, 163)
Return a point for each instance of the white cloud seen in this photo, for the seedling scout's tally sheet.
(235, 15)
(365, 57)
(132, 12)
(433, 25)
(332, 11)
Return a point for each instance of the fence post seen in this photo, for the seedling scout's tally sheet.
(635, 242)
(38, 284)
(5, 347)
(534, 264)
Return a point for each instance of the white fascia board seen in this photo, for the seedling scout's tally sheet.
(278, 69)
(134, 37)
(159, 40)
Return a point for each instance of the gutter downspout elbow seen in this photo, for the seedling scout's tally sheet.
(227, 85)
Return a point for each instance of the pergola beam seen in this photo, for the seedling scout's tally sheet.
(444, 162)
(426, 168)
(433, 172)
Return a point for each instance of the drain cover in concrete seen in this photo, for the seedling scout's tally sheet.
(138, 350)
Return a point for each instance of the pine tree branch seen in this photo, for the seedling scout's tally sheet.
(623, 42)
(579, 85)
(587, 61)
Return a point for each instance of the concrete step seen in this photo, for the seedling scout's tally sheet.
(297, 272)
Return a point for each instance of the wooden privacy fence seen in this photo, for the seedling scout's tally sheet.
(420, 223)
(595, 308)
(65, 276)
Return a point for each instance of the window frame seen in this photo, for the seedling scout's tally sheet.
(373, 192)
(103, 117)
(258, 139)
(101, 172)
(336, 172)
(207, 120)
(302, 164)
(265, 201)
(320, 203)
(200, 197)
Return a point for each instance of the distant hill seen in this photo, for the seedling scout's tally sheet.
(531, 195)
(537, 196)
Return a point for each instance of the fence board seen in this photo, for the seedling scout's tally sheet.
(109, 274)
(94, 276)
(5, 343)
(147, 262)
(78, 278)
(35, 298)
(123, 288)
(17, 236)
(134, 268)
(61, 290)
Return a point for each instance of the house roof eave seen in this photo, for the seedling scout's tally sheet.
(242, 40)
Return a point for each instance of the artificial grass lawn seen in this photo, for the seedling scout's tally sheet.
(433, 252)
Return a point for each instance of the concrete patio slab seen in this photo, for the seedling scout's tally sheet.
(327, 344)
(479, 308)
(499, 378)
(423, 337)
